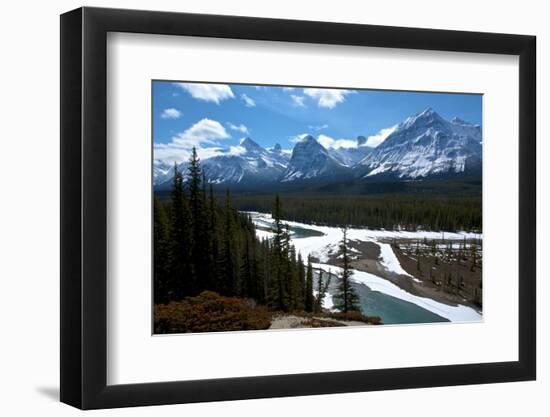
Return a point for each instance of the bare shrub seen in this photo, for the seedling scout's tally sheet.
(210, 312)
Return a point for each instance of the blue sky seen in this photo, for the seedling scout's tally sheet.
(215, 117)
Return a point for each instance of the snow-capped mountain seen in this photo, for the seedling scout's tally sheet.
(247, 163)
(425, 145)
(251, 163)
(162, 171)
(351, 156)
(422, 146)
(311, 160)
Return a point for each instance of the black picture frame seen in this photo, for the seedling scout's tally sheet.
(84, 207)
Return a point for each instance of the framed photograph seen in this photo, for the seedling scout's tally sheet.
(258, 208)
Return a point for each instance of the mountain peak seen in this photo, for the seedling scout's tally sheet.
(249, 144)
(422, 145)
(308, 144)
(426, 144)
(426, 116)
(309, 160)
(308, 138)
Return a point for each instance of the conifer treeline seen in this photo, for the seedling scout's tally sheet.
(201, 244)
(406, 211)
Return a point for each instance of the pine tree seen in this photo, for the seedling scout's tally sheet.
(181, 268)
(199, 224)
(277, 217)
(322, 290)
(161, 254)
(278, 287)
(256, 290)
(230, 276)
(308, 300)
(302, 277)
(346, 298)
(210, 251)
(247, 271)
(215, 246)
(297, 289)
(195, 179)
(287, 301)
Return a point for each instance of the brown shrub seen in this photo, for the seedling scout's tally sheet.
(210, 312)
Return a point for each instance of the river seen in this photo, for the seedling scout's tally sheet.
(378, 296)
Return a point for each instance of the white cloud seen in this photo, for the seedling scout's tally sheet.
(207, 92)
(298, 100)
(318, 127)
(329, 142)
(326, 97)
(248, 102)
(205, 153)
(170, 113)
(375, 140)
(239, 128)
(372, 141)
(288, 88)
(298, 138)
(204, 132)
(236, 150)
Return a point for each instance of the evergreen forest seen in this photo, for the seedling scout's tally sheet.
(202, 243)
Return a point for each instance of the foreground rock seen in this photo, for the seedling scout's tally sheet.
(289, 321)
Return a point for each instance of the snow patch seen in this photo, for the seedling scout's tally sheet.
(389, 260)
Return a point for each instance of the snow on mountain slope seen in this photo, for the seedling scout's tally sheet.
(162, 171)
(310, 160)
(425, 145)
(248, 162)
(252, 163)
(421, 146)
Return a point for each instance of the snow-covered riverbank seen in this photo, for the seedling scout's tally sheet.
(456, 313)
(326, 242)
(322, 246)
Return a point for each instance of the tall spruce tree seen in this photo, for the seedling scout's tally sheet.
(322, 290)
(209, 237)
(301, 282)
(308, 299)
(181, 268)
(199, 224)
(346, 298)
(296, 280)
(161, 253)
(277, 218)
(277, 292)
(214, 243)
(230, 276)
